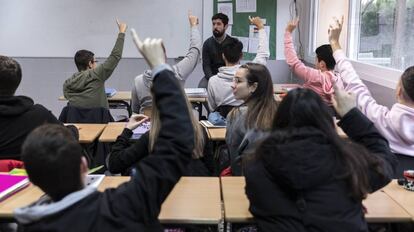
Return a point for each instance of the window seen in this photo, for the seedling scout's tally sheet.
(386, 35)
(380, 32)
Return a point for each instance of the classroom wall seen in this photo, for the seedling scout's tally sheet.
(43, 77)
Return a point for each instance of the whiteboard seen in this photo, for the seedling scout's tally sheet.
(58, 28)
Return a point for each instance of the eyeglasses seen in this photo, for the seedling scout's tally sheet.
(95, 61)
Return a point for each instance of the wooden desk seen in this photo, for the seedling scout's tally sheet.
(111, 132)
(216, 133)
(403, 197)
(122, 98)
(219, 133)
(88, 132)
(119, 96)
(283, 88)
(381, 207)
(194, 200)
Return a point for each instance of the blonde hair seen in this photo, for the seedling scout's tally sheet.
(198, 133)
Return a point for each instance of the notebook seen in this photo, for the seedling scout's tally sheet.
(94, 180)
(10, 184)
(141, 129)
(196, 92)
(208, 124)
(110, 92)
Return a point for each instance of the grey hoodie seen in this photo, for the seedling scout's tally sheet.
(219, 86)
(141, 95)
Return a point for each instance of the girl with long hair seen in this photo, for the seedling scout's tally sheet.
(124, 154)
(252, 84)
(304, 177)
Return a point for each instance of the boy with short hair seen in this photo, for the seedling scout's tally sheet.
(86, 88)
(18, 114)
(320, 79)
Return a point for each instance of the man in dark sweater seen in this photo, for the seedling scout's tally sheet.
(212, 48)
(51, 155)
(18, 114)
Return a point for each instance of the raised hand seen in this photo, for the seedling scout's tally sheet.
(151, 49)
(343, 101)
(136, 120)
(291, 26)
(121, 26)
(257, 21)
(192, 19)
(334, 32)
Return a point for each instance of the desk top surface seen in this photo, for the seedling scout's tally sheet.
(111, 131)
(193, 200)
(219, 133)
(216, 133)
(119, 96)
(403, 197)
(381, 207)
(283, 88)
(88, 132)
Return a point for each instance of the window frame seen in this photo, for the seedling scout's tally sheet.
(384, 76)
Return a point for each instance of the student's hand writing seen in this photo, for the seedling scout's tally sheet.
(136, 120)
(192, 19)
(291, 26)
(334, 32)
(151, 49)
(343, 101)
(121, 26)
(257, 21)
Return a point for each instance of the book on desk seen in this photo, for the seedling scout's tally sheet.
(10, 184)
(110, 92)
(196, 92)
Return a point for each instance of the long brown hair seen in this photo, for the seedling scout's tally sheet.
(198, 133)
(261, 105)
(304, 108)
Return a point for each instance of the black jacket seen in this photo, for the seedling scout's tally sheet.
(212, 56)
(135, 205)
(18, 117)
(296, 188)
(124, 155)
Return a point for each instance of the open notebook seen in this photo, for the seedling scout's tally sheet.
(94, 180)
(110, 92)
(196, 92)
(10, 184)
(141, 129)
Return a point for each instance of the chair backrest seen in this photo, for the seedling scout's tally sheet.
(72, 114)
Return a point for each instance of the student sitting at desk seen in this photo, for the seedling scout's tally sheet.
(141, 96)
(86, 88)
(54, 163)
(320, 79)
(395, 124)
(253, 85)
(304, 177)
(18, 114)
(220, 92)
(125, 155)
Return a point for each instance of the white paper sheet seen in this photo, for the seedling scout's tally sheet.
(229, 29)
(246, 6)
(227, 9)
(245, 42)
(254, 32)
